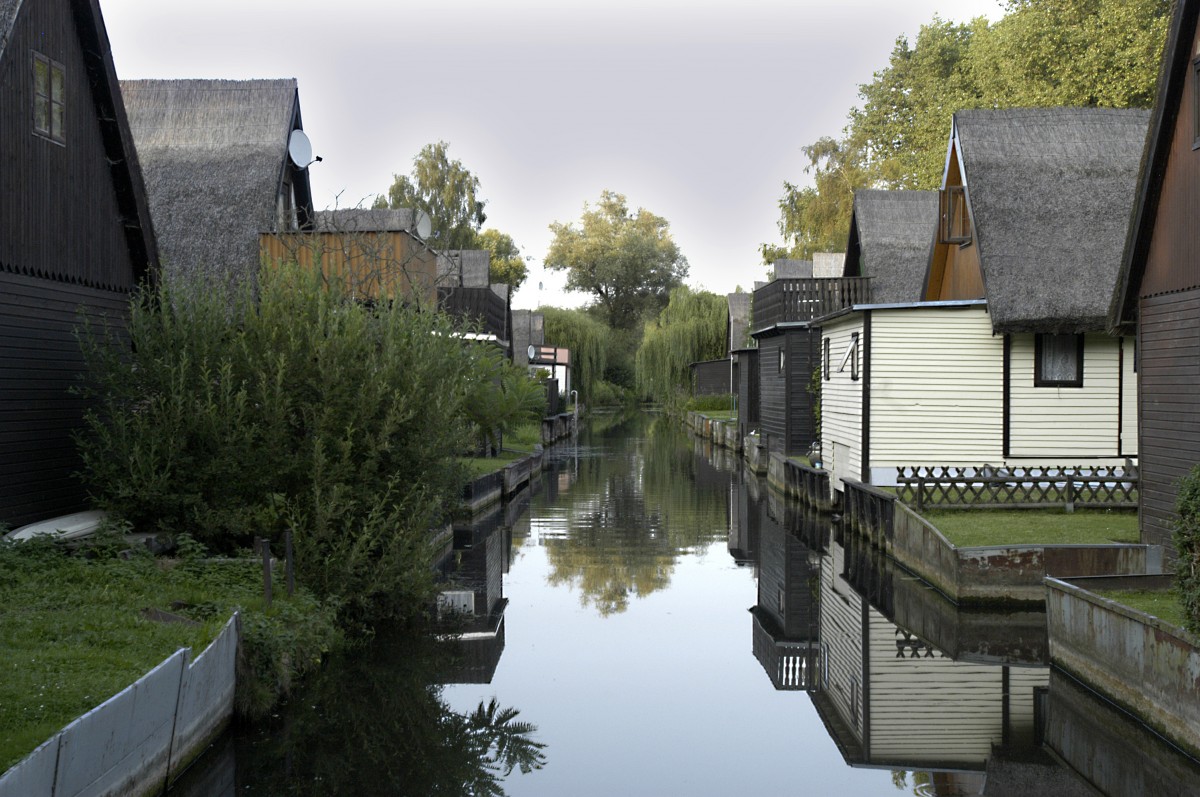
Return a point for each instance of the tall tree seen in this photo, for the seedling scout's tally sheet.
(447, 191)
(1042, 53)
(691, 328)
(627, 261)
(507, 266)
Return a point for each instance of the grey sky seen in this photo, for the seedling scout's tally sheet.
(694, 110)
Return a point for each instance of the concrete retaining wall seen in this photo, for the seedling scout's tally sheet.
(1146, 666)
(797, 480)
(985, 574)
(135, 742)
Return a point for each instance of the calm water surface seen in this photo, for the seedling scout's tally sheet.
(671, 628)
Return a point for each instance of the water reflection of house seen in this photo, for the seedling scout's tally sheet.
(744, 519)
(475, 592)
(786, 621)
(889, 698)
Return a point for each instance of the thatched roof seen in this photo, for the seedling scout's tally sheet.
(215, 158)
(1049, 191)
(110, 116)
(891, 237)
(1173, 74)
(366, 220)
(8, 17)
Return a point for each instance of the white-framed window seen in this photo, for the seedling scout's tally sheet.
(49, 99)
(850, 358)
(825, 359)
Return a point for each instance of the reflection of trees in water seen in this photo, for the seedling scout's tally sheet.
(633, 510)
(375, 723)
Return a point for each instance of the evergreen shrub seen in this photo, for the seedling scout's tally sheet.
(1186, 538)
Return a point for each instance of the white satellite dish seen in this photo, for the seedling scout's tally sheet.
(300, 149)
(424, 225)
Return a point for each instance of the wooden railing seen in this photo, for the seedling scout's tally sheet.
(481, 306)
(788, 300)
(1110, 487)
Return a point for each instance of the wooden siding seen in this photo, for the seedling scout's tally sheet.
(59, 218)
(1173, 258)
(748, 403)
(842, 404)
(1048, 424)
(712, 378)
(954, 271)
(785, 405)
(1168, 374)
(936, 387)
(787, 574)
(39, 362)
(1129, 399)
(370, 265)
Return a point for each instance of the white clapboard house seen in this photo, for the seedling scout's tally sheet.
(1001, 357)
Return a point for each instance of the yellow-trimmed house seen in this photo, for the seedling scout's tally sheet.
(1004, 360)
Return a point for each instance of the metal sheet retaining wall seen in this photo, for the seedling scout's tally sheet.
(981, 575)
(140, 739)
(1144, 665)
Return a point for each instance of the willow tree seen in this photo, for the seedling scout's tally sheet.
(691, 328)
(587, 339)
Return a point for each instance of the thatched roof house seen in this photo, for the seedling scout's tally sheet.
(891, 239)
(215, 154)
(1047, 193)
(75, 238)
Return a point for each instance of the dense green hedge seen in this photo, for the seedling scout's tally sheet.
(1187, 546)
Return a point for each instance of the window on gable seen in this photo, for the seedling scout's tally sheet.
(1058, 361)
(782, 358)
(825, 359)
(49, 99)
(956, 225)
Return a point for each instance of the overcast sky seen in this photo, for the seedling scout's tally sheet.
(694, 110)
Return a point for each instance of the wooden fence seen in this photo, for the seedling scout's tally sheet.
(1102, 486)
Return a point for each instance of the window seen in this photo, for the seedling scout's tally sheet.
(782, 358)
(1058, 361)
(49, 99)
(825, 368)
(956, 226)
(851, 357)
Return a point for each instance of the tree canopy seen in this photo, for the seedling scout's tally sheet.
(449, 193)
(627, 261)
(1042, 53)
(691, 328)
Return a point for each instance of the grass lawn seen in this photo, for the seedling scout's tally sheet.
(1163, 604)
(970, 527)
(482, 466)
(720, 415)
(73, 633)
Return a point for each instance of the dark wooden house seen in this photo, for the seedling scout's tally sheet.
(788, 342)
(75, 237)
(218, 171)
(1158, 293)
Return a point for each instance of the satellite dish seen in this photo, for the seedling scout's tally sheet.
(300, 149)
(532, 351)
(424, 225)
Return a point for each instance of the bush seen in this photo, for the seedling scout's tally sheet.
(1186, 538)
(238, 416)
(723, 403)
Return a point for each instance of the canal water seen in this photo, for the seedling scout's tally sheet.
(666, 625)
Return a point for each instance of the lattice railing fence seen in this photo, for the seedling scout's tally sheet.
(987, 486)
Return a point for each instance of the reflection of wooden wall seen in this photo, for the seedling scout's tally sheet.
(369, 265)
